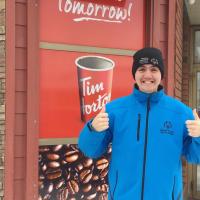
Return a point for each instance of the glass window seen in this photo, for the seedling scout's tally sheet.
(198, 178)
(198, 108)
(198, 91)
(197, 47)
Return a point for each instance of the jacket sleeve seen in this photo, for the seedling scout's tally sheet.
(92, 143)
(191, 145)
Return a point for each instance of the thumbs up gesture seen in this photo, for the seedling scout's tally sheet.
(101, 121)
(193, 126)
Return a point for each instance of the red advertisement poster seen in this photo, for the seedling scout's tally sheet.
(75, 86)
(110, 24)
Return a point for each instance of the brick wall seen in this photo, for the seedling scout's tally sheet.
(186, 58)
(2, 94)
(182, 48)
(163, 23)
(185, 83)
(178, 49)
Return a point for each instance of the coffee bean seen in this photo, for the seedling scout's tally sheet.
(47, 197)
(68, 175)
(59, 184)
(64, 162)
(92, 196)
(104, 173)
(40, 158)
(41, 177)
(44, 167)
(102, 163)
(54, 175)
(103, 196)
(57, 148)
(63, 194)
(53, 156)
(71, 156)
(43, 149)
(103, 188)
(79, 167)
(39, 198)
(41, 185)
(95, 177)
(73, 186)
(54, 164)
(87, 188)
(75, 176)
(74, 147)
(50, 188)
(85, 176)
(98, 188)
(87, 162)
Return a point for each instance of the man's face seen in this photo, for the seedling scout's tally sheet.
(148, 78)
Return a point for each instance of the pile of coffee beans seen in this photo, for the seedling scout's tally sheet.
(65, 173)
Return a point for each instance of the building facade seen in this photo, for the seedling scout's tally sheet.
(167, 26)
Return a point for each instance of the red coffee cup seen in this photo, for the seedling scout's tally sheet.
(95, 84)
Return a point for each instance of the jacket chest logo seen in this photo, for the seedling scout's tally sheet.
(167, 128)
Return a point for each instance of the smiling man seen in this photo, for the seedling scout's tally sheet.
(149, 132)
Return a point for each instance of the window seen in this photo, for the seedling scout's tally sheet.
(198, 178)
(197, 47)
(198, 91)
(198, 108)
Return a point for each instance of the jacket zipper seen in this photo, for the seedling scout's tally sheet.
(145, 148)
(138, 128)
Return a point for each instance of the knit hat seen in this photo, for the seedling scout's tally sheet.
(148, 55)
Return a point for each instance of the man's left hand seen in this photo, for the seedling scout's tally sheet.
(193, 126)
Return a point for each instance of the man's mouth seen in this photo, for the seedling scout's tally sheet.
(147, 82)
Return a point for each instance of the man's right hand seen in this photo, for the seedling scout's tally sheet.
(101, 121)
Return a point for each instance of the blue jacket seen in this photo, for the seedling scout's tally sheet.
(149, 137)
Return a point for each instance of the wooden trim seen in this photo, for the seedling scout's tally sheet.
(171, 48)
(192, 74)
(149, 22)
(154, 23)
(10, 100)
(194, 68)
(32, 101)
(155, 28)
(154, 38)
(86, 49)
(55, 141)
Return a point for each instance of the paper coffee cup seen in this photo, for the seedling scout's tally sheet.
(95, 84)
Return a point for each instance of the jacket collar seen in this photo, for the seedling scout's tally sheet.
(142, 96)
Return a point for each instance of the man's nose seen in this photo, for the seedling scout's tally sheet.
(147, 73)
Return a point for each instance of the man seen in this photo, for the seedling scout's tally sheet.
(149, 132)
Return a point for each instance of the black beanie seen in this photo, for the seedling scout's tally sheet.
(148, 55)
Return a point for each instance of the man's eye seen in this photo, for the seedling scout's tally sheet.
(154, 69)
(141, 69)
